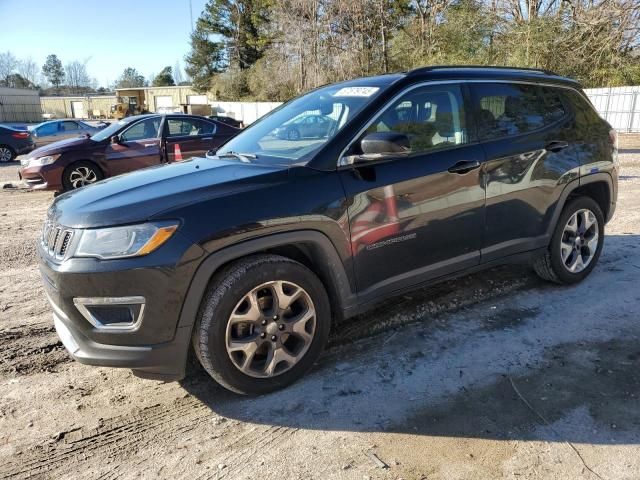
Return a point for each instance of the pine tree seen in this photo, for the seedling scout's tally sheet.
(205, 59)
(164, 78)
(52, 69)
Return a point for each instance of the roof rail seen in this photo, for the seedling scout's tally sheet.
(432, 68)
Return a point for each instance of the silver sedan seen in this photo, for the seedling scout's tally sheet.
(54, 130)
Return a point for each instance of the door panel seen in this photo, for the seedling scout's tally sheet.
(133, 155)
(523, 179)
(68, 129)
(46, 134)
(194, 136)
(189, 147)
(139, 147)
(411, 218)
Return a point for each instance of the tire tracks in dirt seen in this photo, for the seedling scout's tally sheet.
(31, 350)
(118, 439)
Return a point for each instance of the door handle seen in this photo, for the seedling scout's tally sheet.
(556, 146)
(207, 138)
(149, 144)
(464, 166)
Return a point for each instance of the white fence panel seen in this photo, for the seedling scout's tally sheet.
(247, 112)
(620, 106)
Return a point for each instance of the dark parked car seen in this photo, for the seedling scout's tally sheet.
(55, 130)
(245, 258)
(130, 144)
(306, 126)
(14, 142)
(228, 120)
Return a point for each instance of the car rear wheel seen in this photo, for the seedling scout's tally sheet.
(576, 243)
(6, 154)
(262, 324)
(81, 174)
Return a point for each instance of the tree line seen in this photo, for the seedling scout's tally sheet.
(73, 78)
(275, 49)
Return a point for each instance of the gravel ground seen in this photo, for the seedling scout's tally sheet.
(495, 375)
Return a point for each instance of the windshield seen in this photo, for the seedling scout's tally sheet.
(112, 129)
(295, 131)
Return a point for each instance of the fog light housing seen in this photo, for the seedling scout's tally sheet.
(112, 313)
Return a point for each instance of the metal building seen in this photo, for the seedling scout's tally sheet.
(88, 106)
(19, 105)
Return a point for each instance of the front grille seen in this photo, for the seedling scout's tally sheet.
(55, 240)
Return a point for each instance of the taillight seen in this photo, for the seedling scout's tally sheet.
(21, 135)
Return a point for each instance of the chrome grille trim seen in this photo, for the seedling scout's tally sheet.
(55, 240)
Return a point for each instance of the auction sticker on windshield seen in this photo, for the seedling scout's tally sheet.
(356, 92)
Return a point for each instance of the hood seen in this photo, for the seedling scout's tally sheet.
(62, 146)
(141, 195)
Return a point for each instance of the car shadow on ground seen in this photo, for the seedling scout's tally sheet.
(506, 368)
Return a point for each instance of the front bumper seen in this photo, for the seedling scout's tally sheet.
(47, 177)
(164, 361)
(157, 348)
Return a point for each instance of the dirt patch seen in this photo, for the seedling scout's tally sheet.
(421, 383)
(31, 350)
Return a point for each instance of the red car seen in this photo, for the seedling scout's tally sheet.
(130, 144)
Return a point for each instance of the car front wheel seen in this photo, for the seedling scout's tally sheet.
(262, 324)
(81, 174)
(293, 134)
(576, 243)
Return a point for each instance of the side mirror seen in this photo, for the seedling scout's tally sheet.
(381, 143)
(116, 140)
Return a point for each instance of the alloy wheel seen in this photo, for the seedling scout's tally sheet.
(579, 242)
(5, 154)
(294, 134)
(271, 329)
(81, 176)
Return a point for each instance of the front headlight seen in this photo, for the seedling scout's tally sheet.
(122, 242)
(40, 161)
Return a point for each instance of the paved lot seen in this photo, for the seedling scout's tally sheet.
(496, 375)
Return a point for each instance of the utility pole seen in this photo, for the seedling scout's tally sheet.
(191, 14)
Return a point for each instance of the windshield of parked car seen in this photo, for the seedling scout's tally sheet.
(298, 129)
(112, 129)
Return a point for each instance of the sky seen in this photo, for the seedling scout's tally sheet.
(144, 34)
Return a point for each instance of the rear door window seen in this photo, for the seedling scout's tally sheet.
(188, 127)
(505, 109)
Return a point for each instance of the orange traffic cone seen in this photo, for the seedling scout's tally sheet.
(177, 153)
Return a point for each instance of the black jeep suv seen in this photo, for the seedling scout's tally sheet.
(245, 257)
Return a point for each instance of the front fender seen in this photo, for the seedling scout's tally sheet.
(326, 258)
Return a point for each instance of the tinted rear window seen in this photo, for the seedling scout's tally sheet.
(511, 109)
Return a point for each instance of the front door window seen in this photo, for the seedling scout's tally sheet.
(142, 130)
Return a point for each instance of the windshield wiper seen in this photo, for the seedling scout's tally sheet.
(243, 157)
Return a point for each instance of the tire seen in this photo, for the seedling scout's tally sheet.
(579, 262)
(7, 154)
(293, 134)
(80, 174)
(215, 336)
